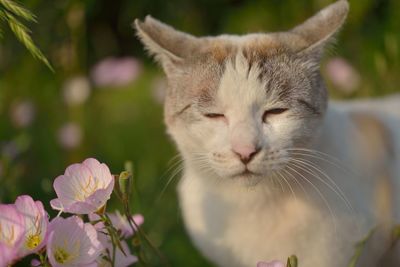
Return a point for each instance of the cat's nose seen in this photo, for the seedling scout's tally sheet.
(245, 152)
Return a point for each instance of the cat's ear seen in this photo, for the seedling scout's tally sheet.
(167, 45)
(319, 30)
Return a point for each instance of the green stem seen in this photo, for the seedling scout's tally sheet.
(43, 259)
(108, 225)
(136, 228)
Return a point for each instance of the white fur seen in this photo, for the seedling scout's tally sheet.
(235, 226)
(238, 226)
(315, 206)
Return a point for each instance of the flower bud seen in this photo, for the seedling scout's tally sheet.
(124, 185)
(292, 261)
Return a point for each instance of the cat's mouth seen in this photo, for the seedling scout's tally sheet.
(248, 173)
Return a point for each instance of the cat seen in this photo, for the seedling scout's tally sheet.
(271, 167)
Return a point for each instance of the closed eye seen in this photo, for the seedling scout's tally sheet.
(214, 115)
(272, 112)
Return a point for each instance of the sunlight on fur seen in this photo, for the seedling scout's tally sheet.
(270, 166)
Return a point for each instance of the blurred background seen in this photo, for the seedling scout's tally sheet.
(104, 99)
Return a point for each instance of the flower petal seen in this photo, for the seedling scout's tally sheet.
(36, 221)
(77, 240)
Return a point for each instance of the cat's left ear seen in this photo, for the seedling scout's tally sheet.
(319, 30)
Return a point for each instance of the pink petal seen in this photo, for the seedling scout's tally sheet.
(36, 221)
(99, 170)
(12, 230)
(84, 188)
(66, 233)
(7, 255)
(81, 207)
(56, 204)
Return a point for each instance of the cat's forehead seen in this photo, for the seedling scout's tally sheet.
(247, 73)
(251, 46)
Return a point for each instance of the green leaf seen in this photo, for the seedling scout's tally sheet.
(18, 10)
(359, 249)
(23, 35)
(396, 232)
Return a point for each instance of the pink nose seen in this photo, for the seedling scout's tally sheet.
(245, 152)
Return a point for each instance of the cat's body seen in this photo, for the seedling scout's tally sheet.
(270, 168)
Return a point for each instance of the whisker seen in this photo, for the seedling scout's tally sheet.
(175, 173)
(297, 182)
(338, 165)
(335, 188)
(280, 183)
(290, 187)
(326, 203)
(316, 152)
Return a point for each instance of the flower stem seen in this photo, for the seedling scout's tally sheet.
(43, 259)
(136, 228)
(113, 236)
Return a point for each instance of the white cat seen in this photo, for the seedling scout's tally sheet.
(271, 168)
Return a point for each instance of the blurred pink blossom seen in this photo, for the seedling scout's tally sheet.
(271, 264)
(76, 90)
(36, 221)
(120, 222)
(12, 226)
(121, 260)
(70, 135)
(115, 72)
(35, 263)
(10, 150)
(84, 188)
(22, 113)
(72, 242)
(343, 75)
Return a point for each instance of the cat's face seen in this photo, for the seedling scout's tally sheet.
(237, 105)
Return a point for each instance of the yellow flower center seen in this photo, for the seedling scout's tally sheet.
(61, 256)
(32, 241)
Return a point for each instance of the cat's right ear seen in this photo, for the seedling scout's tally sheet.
(168, 46)
(319, 30)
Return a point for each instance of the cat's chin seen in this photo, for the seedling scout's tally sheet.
(247, 179)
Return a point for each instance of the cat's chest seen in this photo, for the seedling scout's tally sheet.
(238, 233)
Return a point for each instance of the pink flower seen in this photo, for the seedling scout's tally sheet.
(342, 74)
(11, 233)
(271, 264)
(23, 113)
(120, 222)
(84, 188)
(115, 71)
(36, 221)
(35, 263)
(72, 243)
(70, 135)
(76, 90)
(121, 260)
